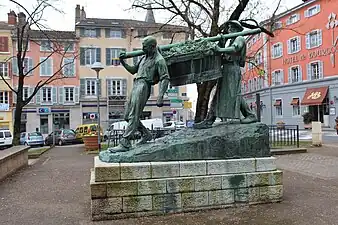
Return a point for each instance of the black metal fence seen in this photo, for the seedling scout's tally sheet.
(284, 135)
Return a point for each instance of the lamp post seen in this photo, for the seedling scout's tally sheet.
(97, 67)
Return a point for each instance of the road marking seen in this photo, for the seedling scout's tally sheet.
(46, 161)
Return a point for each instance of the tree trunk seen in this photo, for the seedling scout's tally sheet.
(17, 123)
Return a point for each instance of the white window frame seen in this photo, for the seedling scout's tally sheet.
(42, 95)
(87, 51)
(259, 58)
(44, 48)
(68, 44)
(112, 31)
(298, 106)
(289, 20)
(69, 65)
(319, 36)
(277, 25)
(116, 50)
(87, 30)
(281, 108)
(300, 78)
(273, 76)
(25, 89)
(92, 81)
(320, 70)
(16, 45)
(65, 94)
(280, 44)
(306, 12)
(297, 39)
(4, 95)
(46, 61)
(117, 79)
(4, 70)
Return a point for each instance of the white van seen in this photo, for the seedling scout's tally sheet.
(6, 138)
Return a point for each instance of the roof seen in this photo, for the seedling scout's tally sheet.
(125, 23)
(52, 34)
(5, 26)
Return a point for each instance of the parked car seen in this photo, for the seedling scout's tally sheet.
(174, 125)
(85, 129)
(63, 136)
(32, 139)
(6, 138)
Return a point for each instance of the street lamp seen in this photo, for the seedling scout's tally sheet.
(97, 67)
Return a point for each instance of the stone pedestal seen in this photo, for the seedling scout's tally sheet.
(317, 133)
(122, 190)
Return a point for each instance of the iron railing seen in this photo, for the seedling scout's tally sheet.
(284, 135)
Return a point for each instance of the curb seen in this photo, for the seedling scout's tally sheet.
(37, 155)
(288, 151)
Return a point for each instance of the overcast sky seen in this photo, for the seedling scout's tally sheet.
(119, 9)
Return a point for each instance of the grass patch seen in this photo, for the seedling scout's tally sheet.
(302, 144)
(35, 153)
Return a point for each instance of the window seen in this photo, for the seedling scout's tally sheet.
(278, 107)
(4, 44)
(69, 94)
(295, 107)
(259, 58)
(277, 77)
(27, 66)
(312, 11)
(113, 33)
(46, 46)
(295, 74)
(112, 56)
(4, 97)
(254, 39)
(251, 64)
(46, 94)
(46, 66)
(23, 44)
(90, 87)
(167, 35)
(44, 124)
(68, 67)
(277, 50)
(90, 32)
(249, 44)
(8, 134)
(142, 33)
(117, 87)
(293, 45)
(25, 93)
(68, 47)
(255, 86)
(277, 25)
(293, 19)
(3, 69)
(89, 56)
(315, 70)
(313, 39)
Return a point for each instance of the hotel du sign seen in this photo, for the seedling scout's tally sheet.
(311, 55)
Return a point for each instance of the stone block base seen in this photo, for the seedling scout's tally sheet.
(122, 190)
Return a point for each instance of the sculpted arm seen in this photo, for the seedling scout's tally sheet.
(130, 69)
(163, 73)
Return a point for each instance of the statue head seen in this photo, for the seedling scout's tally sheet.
(149, 45)
(234, 26)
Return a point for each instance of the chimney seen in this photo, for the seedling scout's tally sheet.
(150, 15)
(22, 18)
(12, 17)
(77, 14)
(83, 14)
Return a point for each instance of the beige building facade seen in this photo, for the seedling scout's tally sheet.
(101, 40)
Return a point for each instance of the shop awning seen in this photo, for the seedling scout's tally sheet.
(295, 101)
(278, 102)
(314, 96)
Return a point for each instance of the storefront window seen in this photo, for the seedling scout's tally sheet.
(44, 124)
(61, 120)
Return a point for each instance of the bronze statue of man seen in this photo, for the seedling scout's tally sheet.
(151, 69)
(227, 103)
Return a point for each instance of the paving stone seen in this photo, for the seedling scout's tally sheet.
(193, 168)
(106, 171)
(165, 169)
(234, 181)
(167, 203)
(122, 188)
(106, 206)
(135, 171)
(221, 197)
(176, 185)
(154, 186)
(137, 203)
(208, 183)
(194, 199)
(266, 164)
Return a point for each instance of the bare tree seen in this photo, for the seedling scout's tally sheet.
(28, 30)
(204, 18)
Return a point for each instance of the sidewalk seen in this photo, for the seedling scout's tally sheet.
(55, 190)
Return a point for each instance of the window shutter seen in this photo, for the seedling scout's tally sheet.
(318, 8)
(289, 46)
(290, 75)
(30, 65)
(108, 57)
(82, 56)
(321, 69)
(309, 75)
(61, 95)
(82, 32)
(30, 92)
(124, 87)
(273, 78)
(14, 95)
(298, 16)
(109, 87)
(42, 66)
(282, 76)
(320, 37)
(307, 40)
(107, 31)
(54, 95)
(98, 54)
(76, 95)
(98, 32)
(38, 97)
(300, 73)
(82, 87)
(298, 43)
(15, 66)
(306, 13)
(123, 32)
(50, 66)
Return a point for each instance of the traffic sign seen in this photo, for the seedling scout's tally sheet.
(92, 116)
(187, 105)
(176, 103)
(43, 110)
